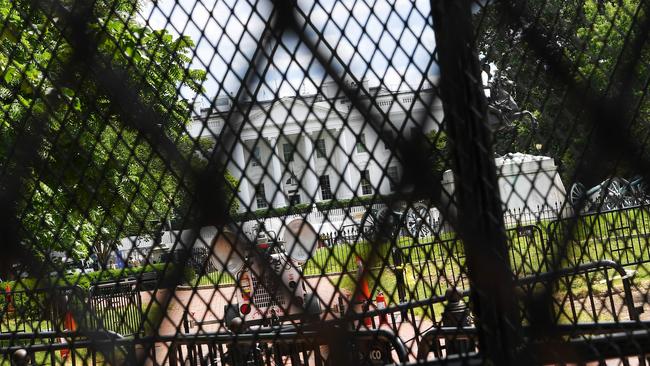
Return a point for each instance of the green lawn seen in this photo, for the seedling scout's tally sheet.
(622, 236)
(82, 356)
(214, 278)
(431, 268)
(11, 323)
(431, 265)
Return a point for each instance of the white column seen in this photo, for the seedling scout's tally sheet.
(344, 158)
(310, 181)
(276, 173)
(240, 174)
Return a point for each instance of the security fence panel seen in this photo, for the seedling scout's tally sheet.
(217, 182)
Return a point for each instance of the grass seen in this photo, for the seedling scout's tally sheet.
(82, 356)
(11, 323)
(214, 278)
(434, 264)
(433, 267)
(620, 236)
(386, 282)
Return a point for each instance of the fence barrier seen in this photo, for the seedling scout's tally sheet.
(217, 182)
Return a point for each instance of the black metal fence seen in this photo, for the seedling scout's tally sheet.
(29, 311)
(114, 307)
(117, 307)
(438, 182)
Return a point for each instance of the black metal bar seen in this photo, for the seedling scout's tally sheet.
(601, 332)
(178, 341)
(480, 217)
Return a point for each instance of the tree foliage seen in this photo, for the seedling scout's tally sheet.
(589, 36)
(95, 178)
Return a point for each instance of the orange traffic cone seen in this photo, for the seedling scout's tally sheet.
(9, 299)
(68, 324)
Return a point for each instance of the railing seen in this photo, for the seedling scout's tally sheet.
(115, 307)
(440, 260)
(568, 324)
(290, 346)
(35, 310)
(621, 235)
(287, 347)
(118, 307)
(293, 345)
(538, 214)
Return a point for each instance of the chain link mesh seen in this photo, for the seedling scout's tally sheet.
(215, 182)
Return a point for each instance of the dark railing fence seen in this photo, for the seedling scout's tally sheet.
(98, 144)
(117, 307)
(114, 307)
(197, 259)
(37, 310)
(620, 235)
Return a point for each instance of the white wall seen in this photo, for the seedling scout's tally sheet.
(527, 183)
(287, 120)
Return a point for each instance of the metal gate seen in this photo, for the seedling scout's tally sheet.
(117, 307)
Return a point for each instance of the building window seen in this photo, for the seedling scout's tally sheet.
(260, 196)
(287, 150)
(256, 156)
(393, 177)
(361, 143)
(366, 187)
(294, 199)
(325, 187)
(321, 151)
(389, 136)
(291, 181)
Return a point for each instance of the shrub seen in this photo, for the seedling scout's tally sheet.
(189, 274)
(152, 318)
(85, 280)
(306, 207)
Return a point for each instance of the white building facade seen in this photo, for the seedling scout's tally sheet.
(314, 148)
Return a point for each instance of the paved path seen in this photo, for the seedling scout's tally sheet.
(206, 304)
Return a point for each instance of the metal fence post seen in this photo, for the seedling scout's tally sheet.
(480, 216)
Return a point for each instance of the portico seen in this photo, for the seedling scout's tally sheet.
(297, 151)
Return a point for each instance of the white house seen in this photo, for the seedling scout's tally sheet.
(311, 148)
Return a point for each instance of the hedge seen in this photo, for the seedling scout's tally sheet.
(306, 207)
(85, 280)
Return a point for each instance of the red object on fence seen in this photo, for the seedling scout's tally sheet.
(362, 280)
(381, 304)
(64, 352)
(9, 299)
(69, 322)
(363, 294)
(70, 325)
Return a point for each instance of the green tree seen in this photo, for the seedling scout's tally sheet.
(96, 178)
(587, 35)
(609, 45)
(439, 154)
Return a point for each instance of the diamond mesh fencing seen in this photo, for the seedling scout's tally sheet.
(216, 182)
